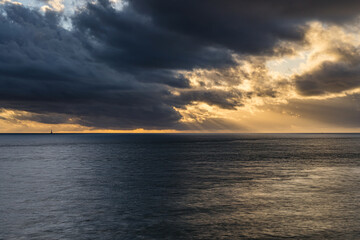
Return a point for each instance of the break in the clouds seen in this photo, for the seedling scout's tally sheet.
(167, 64)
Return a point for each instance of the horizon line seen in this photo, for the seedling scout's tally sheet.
(63, 133)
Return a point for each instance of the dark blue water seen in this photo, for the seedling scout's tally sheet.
(300, 186)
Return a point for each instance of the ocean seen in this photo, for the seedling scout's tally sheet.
(179, 186)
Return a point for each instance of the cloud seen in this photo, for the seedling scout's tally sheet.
(338, 111)
(332, 76)
(10, 2)
(132, 66)
(220, 98)
(130, 41)
(247, 26)
(46, 69)
(55, 5)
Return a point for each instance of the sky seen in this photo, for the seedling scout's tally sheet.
(179, 66)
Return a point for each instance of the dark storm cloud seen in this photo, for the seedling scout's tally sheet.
(248, 26)
(116, 69)
(332, 77)
(40, 61)
(129, 41)
(45, 69)
(181, 35)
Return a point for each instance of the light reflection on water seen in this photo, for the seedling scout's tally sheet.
(180, 186)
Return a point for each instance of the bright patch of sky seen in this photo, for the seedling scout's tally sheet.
(288, 65)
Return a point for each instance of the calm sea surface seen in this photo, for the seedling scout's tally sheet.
(149, 186)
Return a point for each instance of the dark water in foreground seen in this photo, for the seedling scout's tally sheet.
(180, 186)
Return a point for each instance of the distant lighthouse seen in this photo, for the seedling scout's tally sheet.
(51, 132)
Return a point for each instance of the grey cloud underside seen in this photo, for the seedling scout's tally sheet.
(116, 69)
(332, 77)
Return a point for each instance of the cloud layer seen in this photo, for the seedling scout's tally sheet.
(134, 67)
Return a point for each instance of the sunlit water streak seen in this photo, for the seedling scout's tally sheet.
(148, 186)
